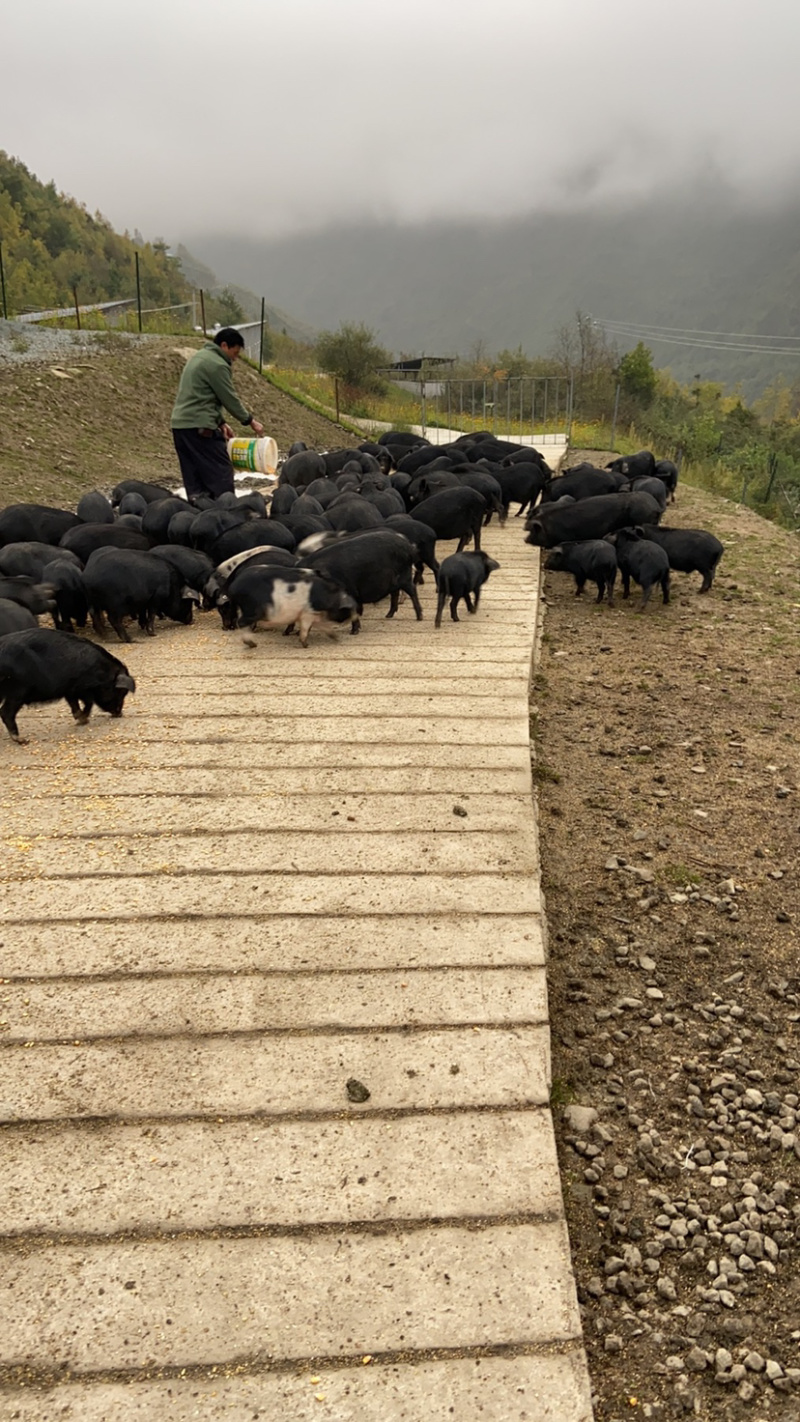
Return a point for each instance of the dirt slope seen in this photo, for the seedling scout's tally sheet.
(81, 424)
(669, 772)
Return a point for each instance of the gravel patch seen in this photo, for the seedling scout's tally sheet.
(669, 773)
(23, 344)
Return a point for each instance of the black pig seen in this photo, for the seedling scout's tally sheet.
(461, 576)
(39, 665)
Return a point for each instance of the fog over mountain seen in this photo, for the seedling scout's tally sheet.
(185, 117)
(697, 259)
(381, 144)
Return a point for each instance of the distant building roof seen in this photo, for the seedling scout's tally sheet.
(415, 365)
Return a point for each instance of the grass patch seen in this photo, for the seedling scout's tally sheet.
(681, 874)
(307, 401)
(561, 1093)
(318, 391)
(544, 774)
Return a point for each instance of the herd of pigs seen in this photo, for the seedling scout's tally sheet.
(341, 530)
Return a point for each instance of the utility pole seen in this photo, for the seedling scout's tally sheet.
(614, 421)
(3, 284)
(138, 292)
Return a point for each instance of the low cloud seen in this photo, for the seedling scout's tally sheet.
(183, 117)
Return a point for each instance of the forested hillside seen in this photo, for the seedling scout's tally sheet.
(52, 244)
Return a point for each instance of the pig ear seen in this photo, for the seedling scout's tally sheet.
(191, 593)
(639, 531)
(124, 682)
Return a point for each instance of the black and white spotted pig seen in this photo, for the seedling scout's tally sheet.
(282, 597)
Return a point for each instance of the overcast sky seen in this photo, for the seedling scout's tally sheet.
(182, 116)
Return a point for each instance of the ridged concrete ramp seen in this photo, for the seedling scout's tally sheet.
(285, 879)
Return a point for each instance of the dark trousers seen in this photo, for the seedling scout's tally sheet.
(205, 466)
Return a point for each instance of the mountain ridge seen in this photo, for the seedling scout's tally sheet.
(442, 286)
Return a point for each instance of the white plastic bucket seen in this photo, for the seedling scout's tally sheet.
(254, 456)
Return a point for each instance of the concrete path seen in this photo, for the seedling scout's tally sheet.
(275, 1064)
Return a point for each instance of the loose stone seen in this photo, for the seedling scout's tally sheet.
(696, 1360)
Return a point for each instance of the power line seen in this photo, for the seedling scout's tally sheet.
(643, 333)
(691, 331)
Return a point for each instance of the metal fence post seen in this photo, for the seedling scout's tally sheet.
(138, 292)
(203, 311)
(614, 420)
(77, 307)
(261, 342)
(571, 397)
(336, 395)
(772, 466)
(3, 284)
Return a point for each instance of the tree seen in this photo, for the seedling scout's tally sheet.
(583, 355)
(352, 354)
(636, 374)
(776, 404)
(516, 364)
(229, 308)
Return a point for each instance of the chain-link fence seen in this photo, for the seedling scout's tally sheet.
(521, 408)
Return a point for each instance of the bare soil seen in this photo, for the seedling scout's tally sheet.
(668, 763)
(89, 422)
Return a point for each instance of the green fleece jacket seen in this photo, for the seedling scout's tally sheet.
(206, 386)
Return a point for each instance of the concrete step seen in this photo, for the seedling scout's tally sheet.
(284, 895)
(372, 679)
(38, 789)
(541, 1385)
(93, 813)
(205, 1175)
(106, 743)
(200, 1301)
(275, 1074)
(447, 850)
(259, 1002)
(346, 729)
(389, 737)
(315, 705)
(80, 946)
